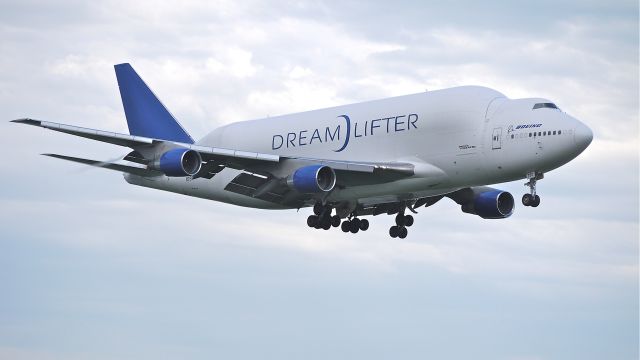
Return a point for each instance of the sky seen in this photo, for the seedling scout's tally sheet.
(94, 268)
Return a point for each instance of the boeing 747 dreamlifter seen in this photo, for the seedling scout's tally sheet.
(387, 156)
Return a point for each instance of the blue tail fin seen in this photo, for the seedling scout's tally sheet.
(146, 116)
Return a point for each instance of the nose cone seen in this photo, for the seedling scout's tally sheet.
(582, 135)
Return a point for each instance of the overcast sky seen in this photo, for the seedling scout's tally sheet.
(94, 268)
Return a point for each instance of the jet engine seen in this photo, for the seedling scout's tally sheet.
(178, 162)
(486, 202)
(312, 179)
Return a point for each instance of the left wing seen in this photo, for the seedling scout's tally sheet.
(263, 176)
(236, 159)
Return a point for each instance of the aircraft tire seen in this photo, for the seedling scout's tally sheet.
(536, 201)
(312, 221)
(364, 224)
(394, 231)
(408, 220)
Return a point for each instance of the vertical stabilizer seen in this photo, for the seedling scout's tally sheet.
(146, 116)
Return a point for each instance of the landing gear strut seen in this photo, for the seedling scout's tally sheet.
(532, 199)
(402, 223)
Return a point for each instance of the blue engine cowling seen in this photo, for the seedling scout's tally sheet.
(490, 204)
(179, 162)
(313, 179)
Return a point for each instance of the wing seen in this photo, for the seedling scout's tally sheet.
(136, 170)
(263, 173)
(237, 159)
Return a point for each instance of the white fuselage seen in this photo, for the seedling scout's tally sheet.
(455, 138)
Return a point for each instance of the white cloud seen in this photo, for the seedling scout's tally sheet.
(213, 63)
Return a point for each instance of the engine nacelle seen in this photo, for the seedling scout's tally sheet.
(179, 162)
(491, 204)
(312, 179)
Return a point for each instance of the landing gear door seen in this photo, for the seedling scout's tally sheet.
(496, 142)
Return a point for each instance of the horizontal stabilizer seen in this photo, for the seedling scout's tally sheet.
(135, 170)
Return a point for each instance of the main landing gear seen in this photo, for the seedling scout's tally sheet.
(322, 219)
(353, 225)
(532, 199)
(402, 223)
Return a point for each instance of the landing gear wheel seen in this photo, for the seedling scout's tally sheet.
(394, 231)
(403, 233)
(408, 220)
(335, 221)
(400, 219)
(528, 199)
(354, 226)
(536, 201)
(312, 221)
(346, 226)
(364, 224)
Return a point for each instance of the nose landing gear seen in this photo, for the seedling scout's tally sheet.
(532, 199)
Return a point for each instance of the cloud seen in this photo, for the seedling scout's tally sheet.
(81, 244)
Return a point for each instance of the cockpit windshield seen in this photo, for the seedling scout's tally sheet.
(545, 105)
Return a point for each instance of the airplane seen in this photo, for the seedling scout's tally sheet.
(390, 156)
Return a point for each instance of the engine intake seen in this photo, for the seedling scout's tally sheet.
(312, 179)
(488, 203)
(179, 162)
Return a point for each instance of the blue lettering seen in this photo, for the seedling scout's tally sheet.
(412, 122)
(273, 142)
(399, 123)
(374, 126)
(335, 135)
(301, 137)
(355, 131)
(316, 135)
(291, 137)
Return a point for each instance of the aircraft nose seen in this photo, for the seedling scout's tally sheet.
(582, 135)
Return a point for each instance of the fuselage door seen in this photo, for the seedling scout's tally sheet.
(497, 138)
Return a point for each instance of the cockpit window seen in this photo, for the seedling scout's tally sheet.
(545, 105)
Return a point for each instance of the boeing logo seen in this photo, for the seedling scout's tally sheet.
(518, 127)
(344, 132)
